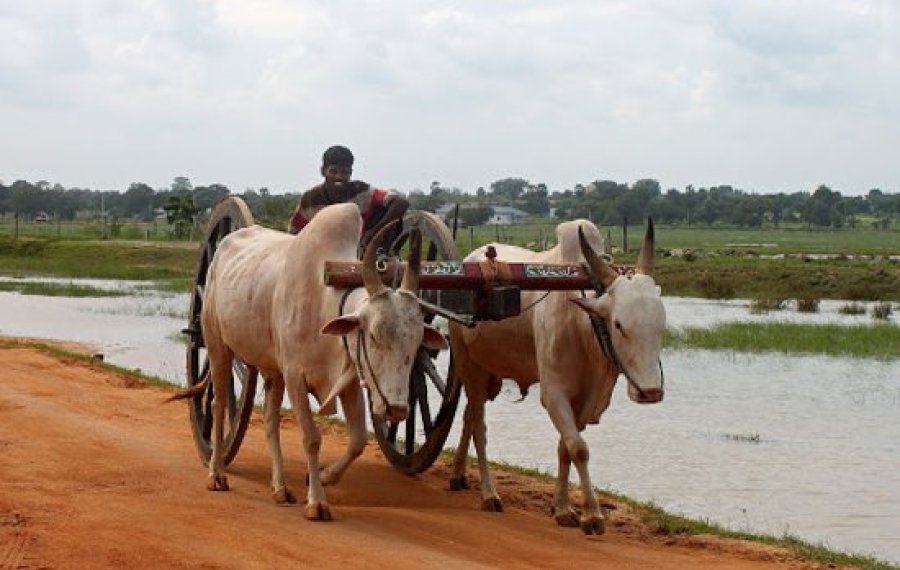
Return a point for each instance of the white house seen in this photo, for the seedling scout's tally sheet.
(503, 215)
(506, 216)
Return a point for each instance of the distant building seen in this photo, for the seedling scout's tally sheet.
(507, 216)
(503, 215)
(42, 217)
(445, 210)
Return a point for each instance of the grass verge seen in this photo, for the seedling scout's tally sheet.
(880, 341)
(662, 523)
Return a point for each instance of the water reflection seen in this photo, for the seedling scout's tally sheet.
(826, 466)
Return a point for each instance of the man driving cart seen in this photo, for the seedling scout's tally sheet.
(377, 207)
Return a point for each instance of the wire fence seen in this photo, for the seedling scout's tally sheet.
(531, 235)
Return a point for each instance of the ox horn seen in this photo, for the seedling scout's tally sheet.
(370, 276)
(596, 265)
(645, 258)
(411, 276)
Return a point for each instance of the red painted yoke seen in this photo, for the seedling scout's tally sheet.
(471, 275)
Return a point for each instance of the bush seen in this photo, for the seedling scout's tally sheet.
(882, 311)
(808, 305)
(716, 287)
(852, 308)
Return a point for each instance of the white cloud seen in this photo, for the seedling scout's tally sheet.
(248, 93)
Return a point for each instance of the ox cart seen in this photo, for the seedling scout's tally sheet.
(458, 291)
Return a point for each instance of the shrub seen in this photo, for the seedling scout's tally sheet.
(852, 308)
(882, 311)
(808, 305)
(716, 287)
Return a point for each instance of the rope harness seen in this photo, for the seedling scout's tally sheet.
(362, 355)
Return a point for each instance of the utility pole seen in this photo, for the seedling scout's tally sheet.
(102, 217)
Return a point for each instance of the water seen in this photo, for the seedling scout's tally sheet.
(806, 445)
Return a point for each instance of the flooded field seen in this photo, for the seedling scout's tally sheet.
(805, 445)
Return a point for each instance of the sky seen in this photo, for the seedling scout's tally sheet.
(764, 95)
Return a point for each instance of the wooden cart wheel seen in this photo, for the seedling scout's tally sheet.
(413, 445)
(229, 214)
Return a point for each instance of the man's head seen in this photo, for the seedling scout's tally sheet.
(337, 165)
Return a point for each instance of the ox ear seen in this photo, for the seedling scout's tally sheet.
(433, 339)
(341, 325)
(593, 306)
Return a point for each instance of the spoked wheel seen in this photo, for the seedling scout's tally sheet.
(229, 214)
(412, 445)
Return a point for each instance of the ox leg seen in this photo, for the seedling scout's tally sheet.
(458, 479)
(562, 416)
(316, 504)
(272, 413)
(476, 396)
(220, 369)
(562, 509)
(354, 412)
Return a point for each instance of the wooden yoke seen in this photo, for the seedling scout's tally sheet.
(469, 291)
(469, 275)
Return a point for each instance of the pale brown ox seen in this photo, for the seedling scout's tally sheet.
(553, 342)
(266, 303)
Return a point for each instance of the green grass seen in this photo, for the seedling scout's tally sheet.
(713, 273)
(57, 289)
(751, 277)
(98, 259)
(722, 269)
(881, 341)
(795, 239)
(784, 240)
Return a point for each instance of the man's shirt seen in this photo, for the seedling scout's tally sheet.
(371, 203)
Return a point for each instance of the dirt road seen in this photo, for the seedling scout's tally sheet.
(96, 472)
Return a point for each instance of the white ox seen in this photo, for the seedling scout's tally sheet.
(552, 342)
(266, 303)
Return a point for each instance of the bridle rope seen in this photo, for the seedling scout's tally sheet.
(362, 354)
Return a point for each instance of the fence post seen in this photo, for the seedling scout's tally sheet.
(471, 238)
(625, 234)
(16, 227)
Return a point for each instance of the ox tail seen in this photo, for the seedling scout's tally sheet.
(194, 390)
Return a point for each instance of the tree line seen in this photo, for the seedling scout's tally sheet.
(605, 202)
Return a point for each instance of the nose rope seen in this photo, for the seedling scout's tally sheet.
(370, 380)
(373, 384)
(604, 339)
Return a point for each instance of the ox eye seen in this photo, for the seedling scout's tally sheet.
(620, 329)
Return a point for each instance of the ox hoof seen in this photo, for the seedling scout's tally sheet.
(492, 505)
(328, 477)
(459, 483)
(217, 483)
(317, 512)
(567, 518)
(284, 496)
(593, 526)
